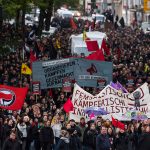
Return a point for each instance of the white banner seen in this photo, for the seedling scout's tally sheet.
(112, 100)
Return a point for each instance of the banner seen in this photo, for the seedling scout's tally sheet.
(12, 98)
(36, 88)
(87, 72)
(84, 72)
(51, 73)
(67, 85)
(112, 100)
(146, 5)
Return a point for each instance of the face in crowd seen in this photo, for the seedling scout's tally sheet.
(103, 130)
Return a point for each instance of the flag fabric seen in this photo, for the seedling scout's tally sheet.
(118, 87)
(58, 44)
(105, 48)
(68, 106)
(118, 124)
(98, 55)
(25, 69)
(12, 98)
(146, 68)
(84, 35)
(92, 45)
(118, 53)
(33, 57)
(50, 93)
(73, 25)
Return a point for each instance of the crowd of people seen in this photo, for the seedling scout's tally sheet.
(42, 122)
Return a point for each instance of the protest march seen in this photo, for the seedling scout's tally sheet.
(82, 88)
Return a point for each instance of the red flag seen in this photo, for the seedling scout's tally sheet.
(114, 122)
(73, 25)
(68, 106)
(118, 53)
(117, 124)
(92, 45)
(50, 93)
(12, 98)
(98, 55)
(105, 48)
(32, 57)
(121, 125)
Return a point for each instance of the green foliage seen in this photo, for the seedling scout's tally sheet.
(70, 3)
(10, 7)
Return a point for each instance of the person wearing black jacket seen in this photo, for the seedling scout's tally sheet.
(90, 139)
(144, 139)
(75, 143)
(47, 137)
(63, 143)
(121, 141)
(102, 140)
(11, 142)
(111, 137)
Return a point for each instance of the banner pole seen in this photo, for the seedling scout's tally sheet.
(36, 98)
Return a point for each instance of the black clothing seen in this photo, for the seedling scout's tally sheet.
(102, 142)
(144, 142)
(10, 144)
(121, 142)
(90, 139)
(46, 138)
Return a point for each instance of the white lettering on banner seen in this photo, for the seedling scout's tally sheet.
(91, 77)
(50, 63)
(110, 99)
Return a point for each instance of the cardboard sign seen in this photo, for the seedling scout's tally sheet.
(36, 88)
(67, 85)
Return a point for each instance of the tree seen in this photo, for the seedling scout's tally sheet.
(71, 3)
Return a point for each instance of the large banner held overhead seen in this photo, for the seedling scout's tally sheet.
(87, 72)
(112, 100)
(51, 73)
(84, 72)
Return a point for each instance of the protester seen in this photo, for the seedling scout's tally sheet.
(35, 123)
(122, 140)
(90, 138)
(11, 143)
(63, 142)
(102, 140)
(46, 136)
(144, 139)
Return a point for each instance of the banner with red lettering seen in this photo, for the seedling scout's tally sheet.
(112, 100)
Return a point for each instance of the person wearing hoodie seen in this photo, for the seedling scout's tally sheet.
(63, 142)
(102, 140)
